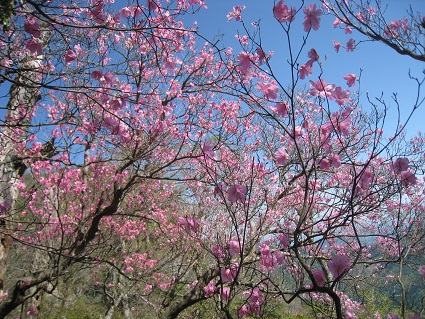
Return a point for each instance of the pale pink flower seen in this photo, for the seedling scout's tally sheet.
(269, 89)
(281, 156)
(312, 54)
(339, 264)
(321, 88)
(341, 96)
(245, 64)
(282, 12)
(311, 19)
(351, 79)
(235, 13)
(365, 180)
(281, 109)
(305, 70)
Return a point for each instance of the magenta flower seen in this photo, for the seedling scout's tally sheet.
(245, 64)
(34, 47)
(284, 240)
(237, 193)
(350, 45)
(281, 156)
(234, 248)
(225, 293)
(70, 56)
(209, 289)
(337, 45)
(261, 55)
(351, 79)
(311, 19)
(339, 264)
(319, 277)
(400, 165)
(33, 28)
(408, 178)
(282, 12)
(96, 74)
(208, 149)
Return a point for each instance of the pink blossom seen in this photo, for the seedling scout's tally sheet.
(209, 289)
(190, 224)
(351, 79)
(319, 277)
(108, 77)
(208, 149)
(321, 88)
(225, 293)
(350, 45)
(400, 165)
(324, 164)
(220, 189)
(282, 13)
(96, 74)
(312, 54)
(34, 47)
(218, 252)
(237, 193)
(269, 89)
(339, 264)
(305, 70)
(236, 13)
(244, 311)
(261, 55)
(365, 180)
(284, 241)
(234, 248)
(334, 160)
(33, 28)
(245, 64)
(281, 109)
(337, 45)
(311, 19)
(281, 156)
(341, 96)
(408, 178)
(70, 56)
(421, 271)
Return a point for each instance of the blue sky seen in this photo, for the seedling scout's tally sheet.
(383, 70)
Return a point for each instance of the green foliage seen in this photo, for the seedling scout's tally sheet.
(6, 8)
(81, 309)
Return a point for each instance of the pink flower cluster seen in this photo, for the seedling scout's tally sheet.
(254, 304)
(404, 173)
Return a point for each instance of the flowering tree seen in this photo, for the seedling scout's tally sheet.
(179, 172)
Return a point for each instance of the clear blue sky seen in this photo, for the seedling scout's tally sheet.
(384, 71)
